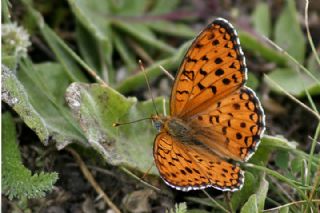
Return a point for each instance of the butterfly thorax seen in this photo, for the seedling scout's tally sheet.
(174, 126)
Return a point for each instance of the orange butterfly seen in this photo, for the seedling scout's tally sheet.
(214, 116)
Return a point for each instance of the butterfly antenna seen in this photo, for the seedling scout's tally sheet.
(147, 172)
(149, 88)
(120, 124)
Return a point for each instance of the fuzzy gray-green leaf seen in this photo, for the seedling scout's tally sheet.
(14, 94)
(39, 103)
(97, 107)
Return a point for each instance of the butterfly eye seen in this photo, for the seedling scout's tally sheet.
(158, 125)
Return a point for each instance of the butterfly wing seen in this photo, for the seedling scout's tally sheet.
(226, 117)
(193, 167)
(213, 67)
(232, 126)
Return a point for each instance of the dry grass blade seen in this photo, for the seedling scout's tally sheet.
(167, 72)
(289, 204)
(87, 174)
(140, 51)
(140, 180)
(315, 185)
(292, 59)
(306, 20)
(293, 98)
(215, 202)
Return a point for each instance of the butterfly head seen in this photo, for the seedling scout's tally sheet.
(158, 121)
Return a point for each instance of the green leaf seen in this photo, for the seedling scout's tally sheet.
(293, 82)
(100, 30)
(97, 108)
(173, 29)
(267, 144)
(262, 193)
(284, 209)
(143, 34)
(89, 48)
(252, 179)
(14, 94)
(288, 33)
(240, 197)
(178, 208)
(253, 44)
(197, 211)
(86, 11)
(252, 81)
(277, 142)
(282, 160)
(164, 6)
(39, 103)
(5, 12)
(251, 205)
(261, 19)
(313, 65)
(138, 80)
(63, 53)
(10, 61)
(296, 164)
(124, 52)
(110, 18)
(128, 7)
(17, 181)
(98, 11)
(260, 157)
(49, 74)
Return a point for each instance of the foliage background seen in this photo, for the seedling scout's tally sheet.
(77, 73)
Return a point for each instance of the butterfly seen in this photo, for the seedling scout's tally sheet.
(214, 117)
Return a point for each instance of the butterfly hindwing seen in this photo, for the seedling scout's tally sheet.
(233, 125)
(193, 167)
(213, 67)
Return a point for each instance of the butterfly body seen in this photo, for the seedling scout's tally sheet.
(176, 128)
(213, 115)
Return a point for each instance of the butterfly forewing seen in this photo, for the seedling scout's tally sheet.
(212, 68)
